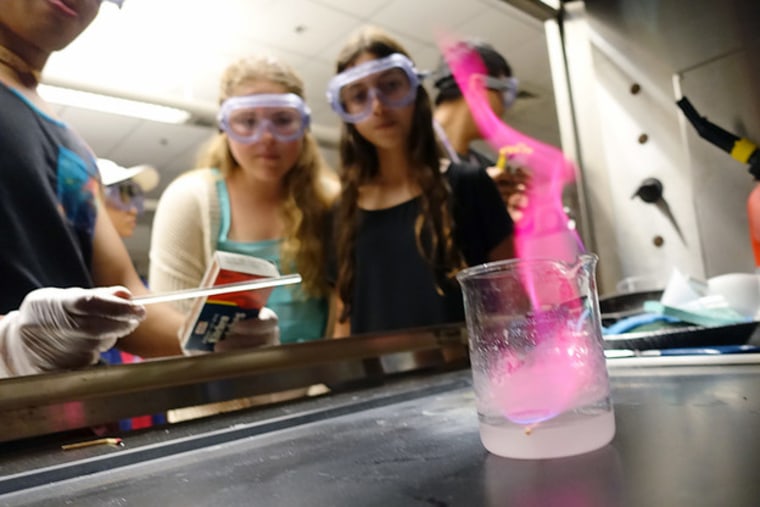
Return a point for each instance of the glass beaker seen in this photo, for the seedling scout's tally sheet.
(537, 357)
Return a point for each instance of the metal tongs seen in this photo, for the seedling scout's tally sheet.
(259, 283)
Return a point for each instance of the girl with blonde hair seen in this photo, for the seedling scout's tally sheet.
(262, 189)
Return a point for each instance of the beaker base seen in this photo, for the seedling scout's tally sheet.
(565, 435)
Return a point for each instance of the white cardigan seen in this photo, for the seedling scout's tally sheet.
(185, 233)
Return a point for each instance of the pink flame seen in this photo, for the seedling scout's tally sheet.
(544, 230)
(553, 379)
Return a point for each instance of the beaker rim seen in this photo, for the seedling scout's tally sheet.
(503, 265)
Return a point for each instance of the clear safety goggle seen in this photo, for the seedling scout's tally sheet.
(507, 86)
(247, 117)
(392, 80)
(126, 196)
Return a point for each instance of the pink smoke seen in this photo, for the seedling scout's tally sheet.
(553, 378)
(544, 230)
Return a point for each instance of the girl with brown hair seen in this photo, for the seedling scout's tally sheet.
(407, 219)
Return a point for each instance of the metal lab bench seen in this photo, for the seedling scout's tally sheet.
(688, 433)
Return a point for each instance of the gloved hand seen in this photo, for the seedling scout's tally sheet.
(57, 329)
(259, 332)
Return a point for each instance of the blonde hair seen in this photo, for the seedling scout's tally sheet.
(308, 187)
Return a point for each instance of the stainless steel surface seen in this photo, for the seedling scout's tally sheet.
(687, 435)
(42, 404)
(698, 364)
(628, 62)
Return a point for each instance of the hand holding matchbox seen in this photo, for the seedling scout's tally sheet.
(213, 318)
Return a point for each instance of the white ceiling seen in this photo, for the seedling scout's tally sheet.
(175, 51)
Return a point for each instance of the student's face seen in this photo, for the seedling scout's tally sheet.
(266, 159)
(496, 101)
(387, 127)
(48, 25)
(124, 221)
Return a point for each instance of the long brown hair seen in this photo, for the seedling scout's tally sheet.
(360, 164)
(310, 185)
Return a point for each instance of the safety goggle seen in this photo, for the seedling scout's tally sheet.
(506, 85)
(126, 196)
(245, 118)
(392, 80)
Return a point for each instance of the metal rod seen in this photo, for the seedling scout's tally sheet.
(261, 283)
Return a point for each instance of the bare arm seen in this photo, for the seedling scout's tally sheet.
(111, 265)
(340, 329)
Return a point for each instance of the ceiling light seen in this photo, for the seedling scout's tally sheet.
(554, 4)
(110, 104)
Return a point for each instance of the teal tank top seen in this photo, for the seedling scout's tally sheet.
(302, 318)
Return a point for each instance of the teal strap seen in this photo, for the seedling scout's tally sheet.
(224, 206)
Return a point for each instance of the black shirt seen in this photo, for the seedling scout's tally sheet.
(476, 158)
(48, 180)
(394, 286)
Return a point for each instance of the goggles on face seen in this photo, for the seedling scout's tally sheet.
(245, 118)
(392, 80)
(126, 196)
(506, 85)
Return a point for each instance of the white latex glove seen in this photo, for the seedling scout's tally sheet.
(58, 329)
(513, 187)
(259, 332)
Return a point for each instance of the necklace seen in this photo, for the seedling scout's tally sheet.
(18, 64)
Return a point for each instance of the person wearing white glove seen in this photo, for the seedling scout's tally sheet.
(54, 231)
(61, 329)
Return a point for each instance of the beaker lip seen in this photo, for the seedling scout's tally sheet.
(496, 266)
